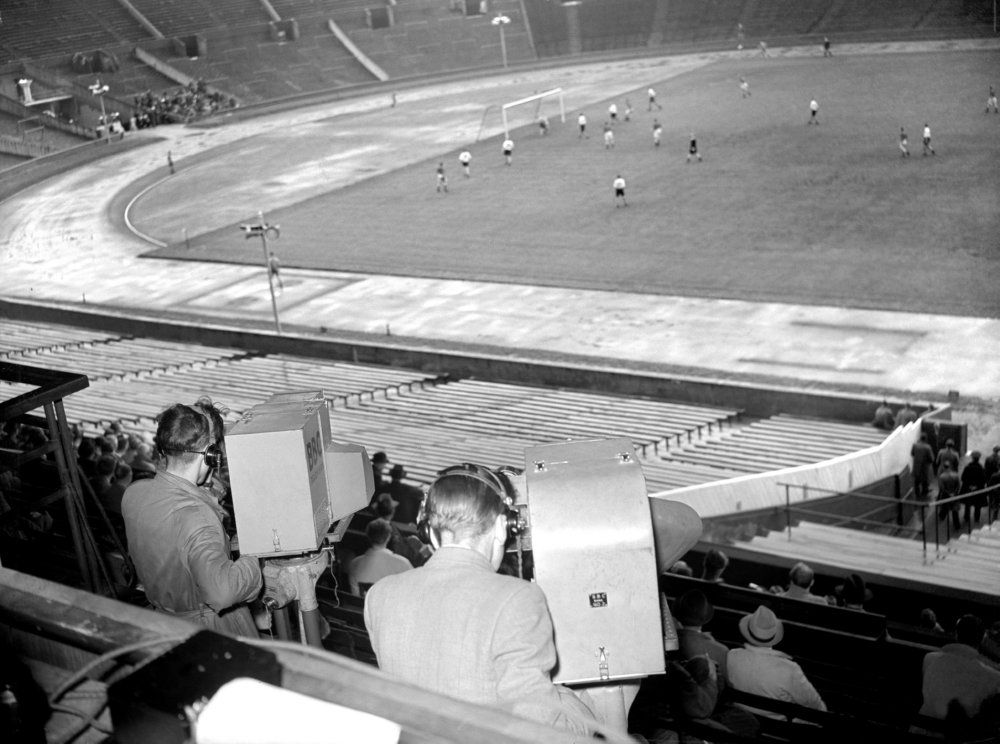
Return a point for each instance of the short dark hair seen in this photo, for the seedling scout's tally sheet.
(378, 531)
(969, 630)
(106, 465)
(715, 561)
(183, 429)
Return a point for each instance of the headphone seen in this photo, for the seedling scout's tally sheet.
(493, 481)
(211, 455)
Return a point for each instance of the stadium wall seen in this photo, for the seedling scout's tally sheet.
(756, 400)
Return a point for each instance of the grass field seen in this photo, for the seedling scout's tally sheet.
(777, 211)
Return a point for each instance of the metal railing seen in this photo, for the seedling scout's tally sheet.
(947, 509)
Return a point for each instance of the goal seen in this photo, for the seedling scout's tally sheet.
(524, 111)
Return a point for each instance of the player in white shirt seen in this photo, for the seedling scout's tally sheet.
(609, 136)
(619, 186)
(813, 112)
(991, 101)
(508, 149)
(465, 159)
(613, 113)
(652, 100)
(581, 121)
(927, 140)
(744, 88)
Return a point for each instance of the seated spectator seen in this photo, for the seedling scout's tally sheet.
(111, 497)
(974, 479)
(104, 474)
(800, 580)
(681, 569)
(989, 647)
(692, 611)
(929, 621)
(408, 497)
(714, 564)
(379, 461)
(144, 463)
(959, 674)
(86, 458)
(906, 415)
(409, 547)
(378, 561)
(853, 594)
(884, 418)
(760, 669)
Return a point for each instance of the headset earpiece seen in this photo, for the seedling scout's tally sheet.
(213, 457)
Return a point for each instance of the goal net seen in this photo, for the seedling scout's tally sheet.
(528, 110)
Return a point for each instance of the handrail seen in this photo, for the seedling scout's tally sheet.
(942, 509)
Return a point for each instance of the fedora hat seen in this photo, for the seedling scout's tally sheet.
(694, 609)
(762, 628)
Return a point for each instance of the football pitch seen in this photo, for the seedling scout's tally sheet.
(778, 210)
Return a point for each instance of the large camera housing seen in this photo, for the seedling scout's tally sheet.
(290, 481)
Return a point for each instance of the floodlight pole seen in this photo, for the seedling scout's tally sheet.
(99, 90)
(262, 229)
(501, 21)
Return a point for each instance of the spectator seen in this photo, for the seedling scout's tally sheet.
(973, 480)
(991, 465)
(111, 498)
(905, 415)
(947, 455)
(86, 458)
(104, 472)
(692, 611)
(713, 566)
(923, 462)
(410, 547)
(929, 621)
(409, 498)
(800, 580)
(958, 673)
(681, 569)
(853, 594)
(948, 484)
(701, 690)
(379, 461)
(143, 464)
(884, 418)
(378, 561)
(989, 647)
(760, 669)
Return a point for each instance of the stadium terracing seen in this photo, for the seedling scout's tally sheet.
(757, 414)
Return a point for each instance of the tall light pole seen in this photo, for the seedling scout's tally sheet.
(99, 90)
(263, 230)
(501, 21)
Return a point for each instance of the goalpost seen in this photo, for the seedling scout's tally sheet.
(527, 110)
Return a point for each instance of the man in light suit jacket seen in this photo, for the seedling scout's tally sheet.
(457, 627)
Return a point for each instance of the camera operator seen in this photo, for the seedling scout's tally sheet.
(174, 527)
(457, 627)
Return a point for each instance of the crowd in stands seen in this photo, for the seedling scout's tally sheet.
(703, 677)
(960, 686)
(178, 105)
